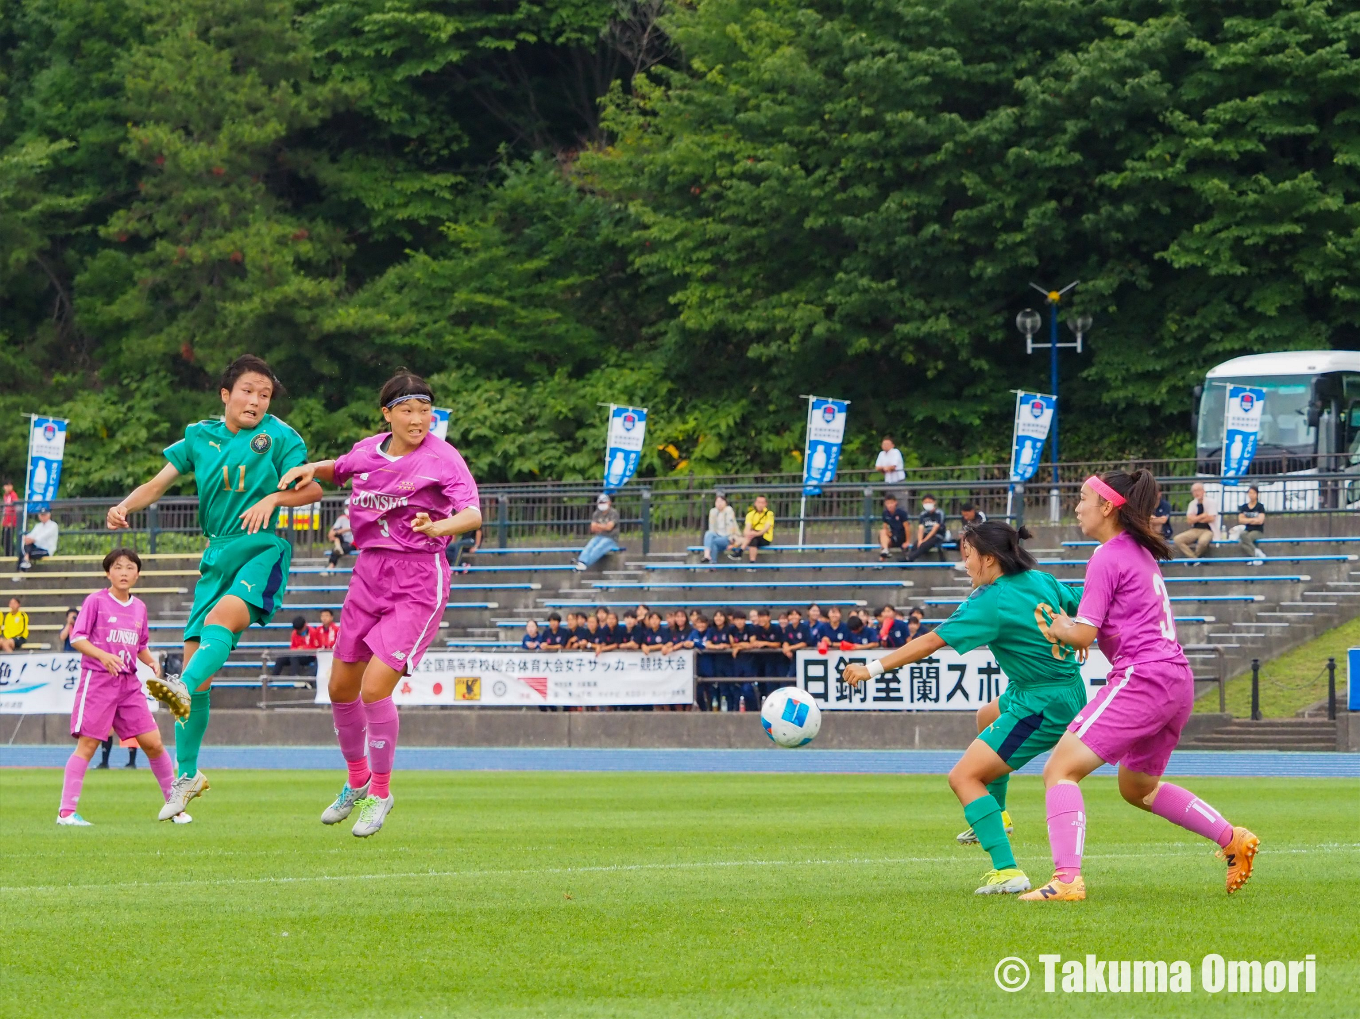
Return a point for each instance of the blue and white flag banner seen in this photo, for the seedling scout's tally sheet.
(822, 450)
(1241, 426)
(627, 430)
(46, 446)
(439, 423)
(1033, 419)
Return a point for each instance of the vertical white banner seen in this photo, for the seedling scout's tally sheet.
(1033, 418)
(46, 448)
(822, 447)
(1241, 426)
(627, 430)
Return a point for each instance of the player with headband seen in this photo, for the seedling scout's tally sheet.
(1135, 720)
(412, 492)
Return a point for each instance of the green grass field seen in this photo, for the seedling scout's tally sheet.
(544, 894)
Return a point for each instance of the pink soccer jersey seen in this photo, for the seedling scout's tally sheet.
(112, 626)
(1125, 599)
(389, 491)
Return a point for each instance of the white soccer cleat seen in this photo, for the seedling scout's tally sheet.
(170, 691)
(344, 803)
(372, 813)
(73, 820)
(182, 818)
(184, 789)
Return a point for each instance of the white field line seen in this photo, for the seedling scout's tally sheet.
(619, 868)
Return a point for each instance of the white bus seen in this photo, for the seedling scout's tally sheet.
(1310, 423)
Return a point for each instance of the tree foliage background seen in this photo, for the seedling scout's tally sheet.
(707, 207)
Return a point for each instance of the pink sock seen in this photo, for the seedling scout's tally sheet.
(1182, 807)
(358, 773)
(71, 783)
(350, 721)
(164, 770)
(383, 726)
(1066, 829)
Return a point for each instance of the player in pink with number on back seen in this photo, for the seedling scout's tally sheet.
(111, 635)
(1136, 718)
(411, 493)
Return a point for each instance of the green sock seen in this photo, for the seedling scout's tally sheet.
(985, 816)
(189, 732)
(998, 790)
(214, 648)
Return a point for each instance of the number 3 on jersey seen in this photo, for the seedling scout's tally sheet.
(240, 478)
(1168, 623)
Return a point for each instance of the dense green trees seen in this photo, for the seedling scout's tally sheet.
(707, 207)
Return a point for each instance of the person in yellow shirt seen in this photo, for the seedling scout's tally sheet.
(14, 627)
(759, 530)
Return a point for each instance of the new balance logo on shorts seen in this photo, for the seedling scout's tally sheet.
(399, 655)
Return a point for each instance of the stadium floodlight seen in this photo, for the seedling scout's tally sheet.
(1028, 322)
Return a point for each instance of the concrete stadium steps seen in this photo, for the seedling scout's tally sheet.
(1267, 734)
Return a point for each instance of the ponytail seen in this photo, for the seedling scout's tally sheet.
(1141, 494)
(1001, 540)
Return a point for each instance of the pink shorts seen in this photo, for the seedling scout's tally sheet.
(105, 702)
(1137, 717)
(393, 607)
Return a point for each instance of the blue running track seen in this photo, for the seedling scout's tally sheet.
(877, 762)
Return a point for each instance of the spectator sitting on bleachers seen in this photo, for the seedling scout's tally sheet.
(462, 551)
(759, 530)
(572, 627)
(612, 634)
(14, 627)
(323, 636)
(1161, 516)
(796, 638)
(297, 665)
(893, 535)
(892, 632)
(919, 614)
(628, 632)
(1251, 517)
(929, 531)
(859, 634)
(65, 635)
(703, 664)
(972, 516)
(589, 638)
(604, 532)
(1202, 516)
(555, 637)
(652, 639)
(341, 538)
(39, 542)
(722, 530)
(836, 628)
(530, 641)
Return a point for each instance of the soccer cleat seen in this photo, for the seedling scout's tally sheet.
(1239, 854)
(1004, 882)
(969, 837)
(73, 820)
(170, 691)
(344, 803)
(372, 813)
(184, 789)
(1058, 891)
(182, 818)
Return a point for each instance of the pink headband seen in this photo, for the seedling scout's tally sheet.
(1105, 491)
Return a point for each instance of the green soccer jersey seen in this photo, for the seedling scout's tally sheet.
(235, 470)
(1011, 616)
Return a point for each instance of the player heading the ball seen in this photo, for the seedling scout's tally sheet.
(1010, 610)
(1135, 721)
(412, 492)
(236, 463)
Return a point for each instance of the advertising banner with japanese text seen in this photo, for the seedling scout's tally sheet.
(946, 681)
(45, 684)
(1033, 418)
(1241, 426)
(627, 429)
(532, 679)
(822, 447)
(46, 448)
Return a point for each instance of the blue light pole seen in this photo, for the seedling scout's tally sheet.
(1028, 323)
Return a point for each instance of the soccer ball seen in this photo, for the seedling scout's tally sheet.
(791, 717)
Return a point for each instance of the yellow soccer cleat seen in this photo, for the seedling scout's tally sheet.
(1058, 891)
(969, 837)
(1010, 881)
(1239, 854)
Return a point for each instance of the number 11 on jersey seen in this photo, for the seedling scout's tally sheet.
(240, 478)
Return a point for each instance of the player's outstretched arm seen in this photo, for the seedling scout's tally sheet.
(460, 523)
(913, 651)
(142, 496)
(320, 470)
(258, 516)
(1069, 631)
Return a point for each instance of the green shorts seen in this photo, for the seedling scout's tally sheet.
(1032, 720)
(253, 567)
